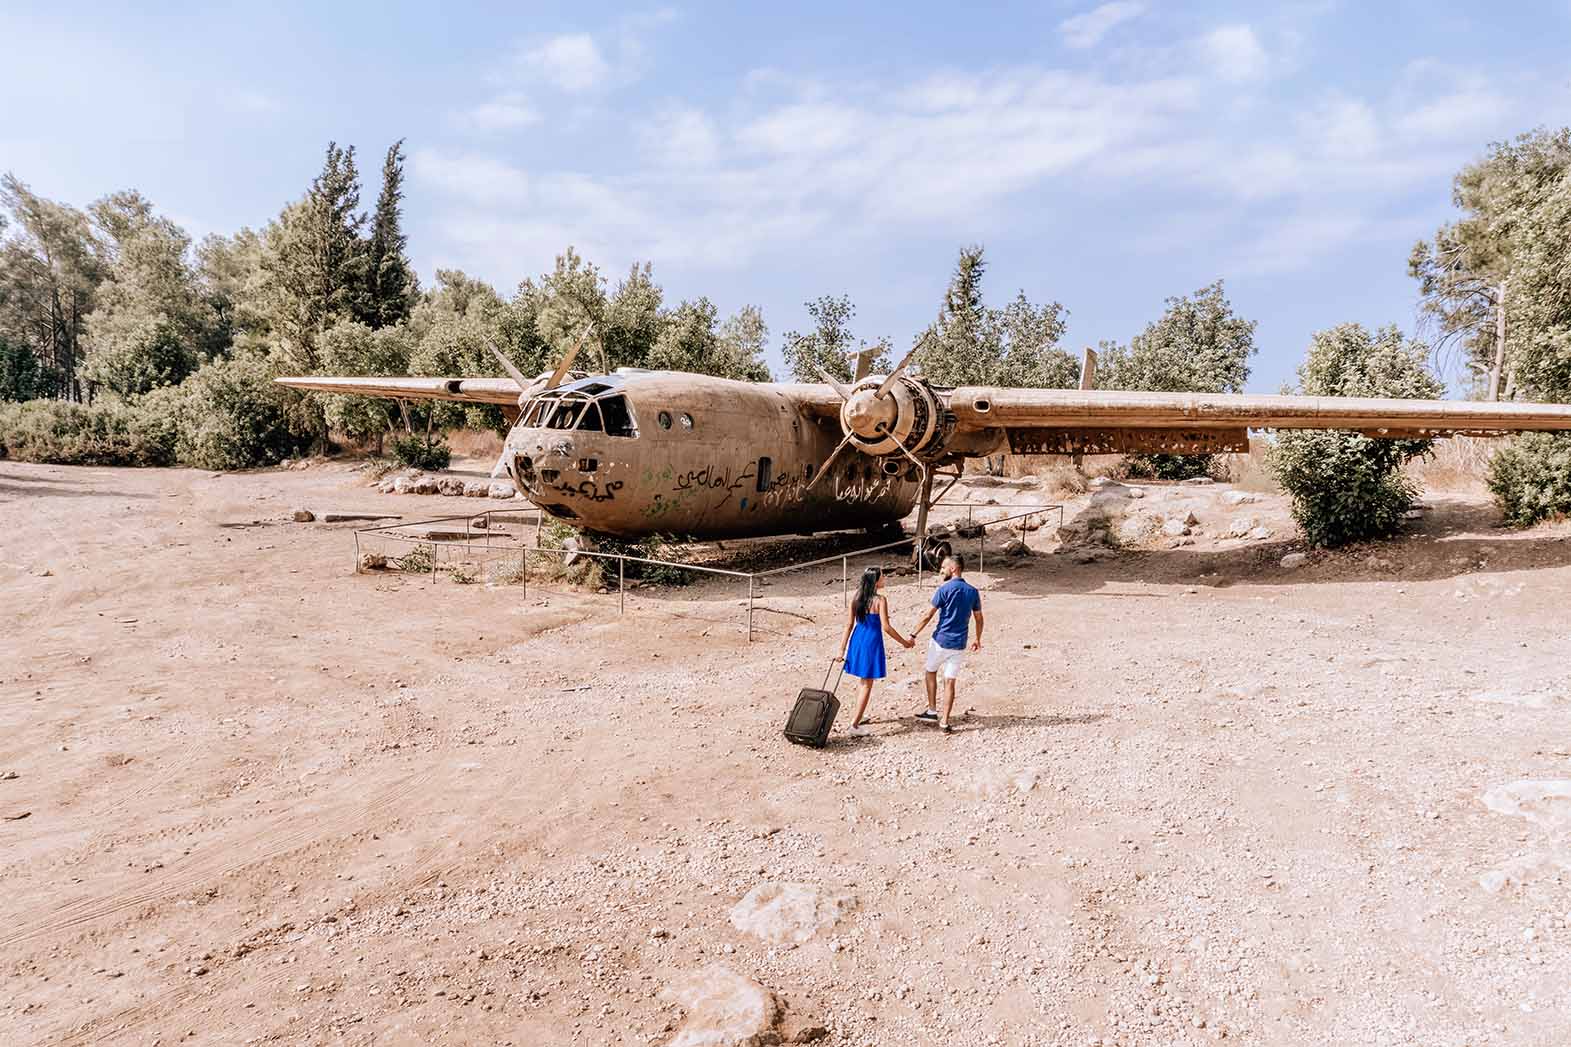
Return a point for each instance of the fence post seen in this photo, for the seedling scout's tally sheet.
(749, 608)
(621, 582)
(845, 598)
(357, 551)
(523, 574)
(981, 551)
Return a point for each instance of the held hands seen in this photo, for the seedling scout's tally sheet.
(909, 642)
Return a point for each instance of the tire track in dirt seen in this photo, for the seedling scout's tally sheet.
(271, 842)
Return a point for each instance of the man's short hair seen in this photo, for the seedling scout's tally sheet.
(959, 560)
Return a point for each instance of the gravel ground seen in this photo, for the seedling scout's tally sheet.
(1196, 798)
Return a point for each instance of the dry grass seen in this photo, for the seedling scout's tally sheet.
(1460, 463)
(475, 443)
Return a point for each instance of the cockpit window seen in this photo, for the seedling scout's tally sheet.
(618, 420)
(566, 415)
(535, 417)
(590, 422)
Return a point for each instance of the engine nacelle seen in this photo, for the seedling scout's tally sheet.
(909, 415)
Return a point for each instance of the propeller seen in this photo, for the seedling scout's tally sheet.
(567, 361)
(823, 470)
(839, 387)
(507, 365)
(899, 368)
(864, 363)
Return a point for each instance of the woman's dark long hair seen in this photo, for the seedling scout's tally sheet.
(866, 589)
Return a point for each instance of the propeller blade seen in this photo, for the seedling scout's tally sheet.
(507, 365)
(901, 366)
(823, 470)
(845, 393)
(567, 361)
(864, 363)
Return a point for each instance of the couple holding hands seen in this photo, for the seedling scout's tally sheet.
(955, 602)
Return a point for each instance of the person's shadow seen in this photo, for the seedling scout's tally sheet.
(963, 725)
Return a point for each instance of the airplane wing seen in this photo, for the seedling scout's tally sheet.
(1068, 421)
(466, 390)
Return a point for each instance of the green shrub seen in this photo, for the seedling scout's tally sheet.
(419, 452)
(60, 433)
(230, 415)
(1345, 487)
(1168, 466)
(1531, 477)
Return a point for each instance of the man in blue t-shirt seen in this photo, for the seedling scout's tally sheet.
(955, 602)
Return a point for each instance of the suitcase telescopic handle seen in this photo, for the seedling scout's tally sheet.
(832, 663)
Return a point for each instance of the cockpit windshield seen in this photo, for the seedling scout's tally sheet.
(570, 408)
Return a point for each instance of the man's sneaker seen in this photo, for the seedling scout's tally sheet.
(858, 731)
(927, 714)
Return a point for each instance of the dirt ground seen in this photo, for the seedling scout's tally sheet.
(1198, 797)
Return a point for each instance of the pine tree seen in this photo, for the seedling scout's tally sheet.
(390, 279)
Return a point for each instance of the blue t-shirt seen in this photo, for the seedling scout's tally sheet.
(956, 599)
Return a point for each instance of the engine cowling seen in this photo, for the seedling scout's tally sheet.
(909, 415)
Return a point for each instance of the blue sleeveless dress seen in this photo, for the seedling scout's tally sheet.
(865, 652)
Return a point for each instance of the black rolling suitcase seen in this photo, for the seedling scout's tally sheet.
(814, 713)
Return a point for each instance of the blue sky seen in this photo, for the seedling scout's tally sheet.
(1108, 156)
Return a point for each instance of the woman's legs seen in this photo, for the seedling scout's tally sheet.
(861, 706)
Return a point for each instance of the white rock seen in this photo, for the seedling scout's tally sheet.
(724, 1009)
(476, 489)
(1259, 534)
(1199, 481)
(1240, 526)
(425, 485)
(1175, 528)
(1137, 527)
(452, 486)
(1240, 498)
(1295, 560)
(501, 489)
(788, 912)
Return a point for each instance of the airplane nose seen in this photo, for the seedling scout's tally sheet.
(867, 415)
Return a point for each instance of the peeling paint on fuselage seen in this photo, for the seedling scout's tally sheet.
(741, 470)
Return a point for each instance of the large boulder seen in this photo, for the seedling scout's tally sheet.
(477, 489)
(789, 912)
(451, 486)
(1240, 526)
(501, 489)
(425, 485)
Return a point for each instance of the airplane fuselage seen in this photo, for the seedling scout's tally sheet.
(635, 454)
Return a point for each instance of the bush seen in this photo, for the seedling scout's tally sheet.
(1345, 487)
(1169, 466)
(1531, 477)
(420, 452)
(59, 433)
(230, 415)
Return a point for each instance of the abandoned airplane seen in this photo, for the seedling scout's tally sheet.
(632, 452)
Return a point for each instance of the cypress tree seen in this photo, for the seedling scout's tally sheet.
(390, 279)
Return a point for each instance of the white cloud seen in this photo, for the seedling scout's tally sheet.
(471, 176)
(1086, 30)
(682, 137)
(1234, 53)
(506, 112)
(572, 62)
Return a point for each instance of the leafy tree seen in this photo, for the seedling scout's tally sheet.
(688, 341)
(351, 348)
(315, 262)
(390, 279)
(230, 415)
(633, 319)
(50, 268)
(972, 344)
(21, 377)
(744, 336)
(830, 344)
(1346, 487)
(1199, 345)
(1488, 273)
(233, 285)
(150, 325)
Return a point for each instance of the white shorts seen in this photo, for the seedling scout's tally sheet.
(944, 661)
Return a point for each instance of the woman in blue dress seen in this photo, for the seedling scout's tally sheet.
(863, 642)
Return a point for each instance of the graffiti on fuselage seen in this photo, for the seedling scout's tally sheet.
(591, 490)
(786, 490)
(713, 478)
(862, 486)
